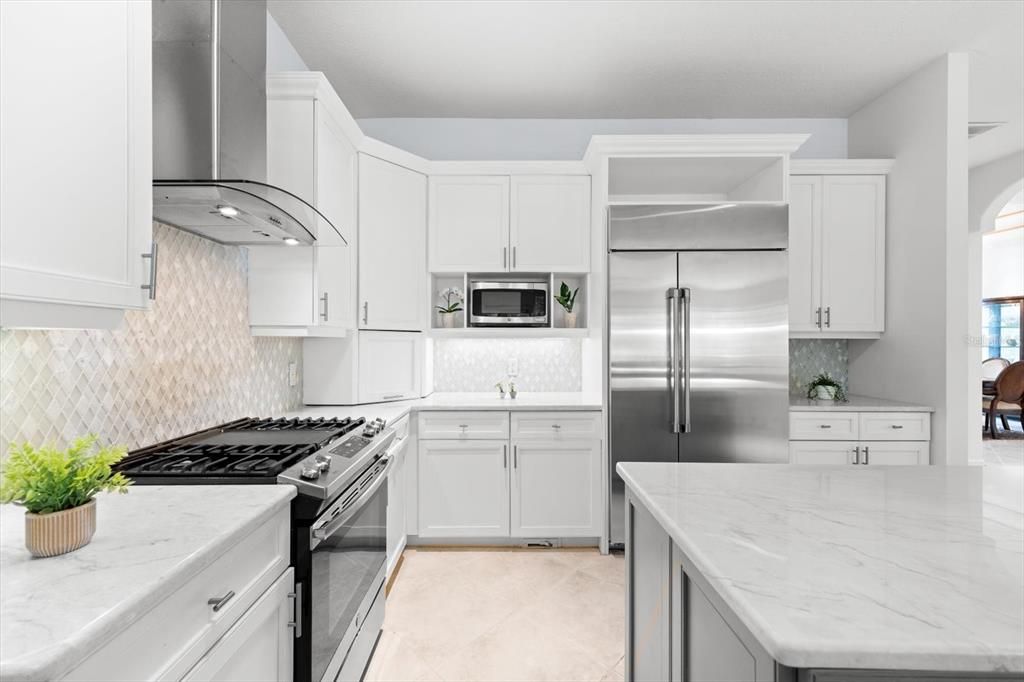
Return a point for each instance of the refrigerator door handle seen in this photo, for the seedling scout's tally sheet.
(674, 380)
(685, 297)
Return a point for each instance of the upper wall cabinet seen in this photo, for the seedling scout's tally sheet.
(837, 250)
(497, 223)
(392, 246)
(76, 171)
(468, 225)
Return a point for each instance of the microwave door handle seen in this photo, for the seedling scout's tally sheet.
(318, 535)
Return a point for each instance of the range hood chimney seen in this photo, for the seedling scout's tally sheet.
(210, 127)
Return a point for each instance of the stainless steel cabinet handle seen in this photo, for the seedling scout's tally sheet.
(513, 256)
(297, 623)
(828, 316)
(366, 312)
(504, 457)
(865, 455)
(218, 602)
(556, 426)
(150, 286)
(463, 426)
(856, 455)
(897, 426)
(824, 426)
(324, 314)
(515, 456)
(504, 256)
(392, 396)
(817, 318)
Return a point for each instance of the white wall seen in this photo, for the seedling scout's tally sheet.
(1002, 269)
(470, 139)
(281, 54)
(922, 357)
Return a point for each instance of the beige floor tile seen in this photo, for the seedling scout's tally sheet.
(397, 659)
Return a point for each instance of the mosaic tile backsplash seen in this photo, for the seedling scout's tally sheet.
(475, 365)
(810, 357)
(186, 364)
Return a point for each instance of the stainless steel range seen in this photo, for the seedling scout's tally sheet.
(339, 533)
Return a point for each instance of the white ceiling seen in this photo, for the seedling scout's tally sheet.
(646, 59)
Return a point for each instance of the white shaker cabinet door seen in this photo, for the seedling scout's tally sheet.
(468, 224)
(334, 295)
(76, 171)
(259, 647)
(804, 250)
(853, 253)
(556, 489)
(550, 223)
(463, 488)
(898, 453)
(392, 246)
(397, 482)
(389, 366)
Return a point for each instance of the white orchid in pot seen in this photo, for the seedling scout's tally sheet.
(452, 298)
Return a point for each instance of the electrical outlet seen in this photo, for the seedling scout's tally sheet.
(513, 366)
(293, 374)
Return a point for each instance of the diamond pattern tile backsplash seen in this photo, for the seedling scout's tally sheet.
(810, 357)
(475, 365)
(186, 364)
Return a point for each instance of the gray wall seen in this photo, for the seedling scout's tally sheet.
(469, 139)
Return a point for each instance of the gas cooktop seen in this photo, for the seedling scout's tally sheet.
(243, 451)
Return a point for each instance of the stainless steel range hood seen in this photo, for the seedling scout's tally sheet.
(210, 127)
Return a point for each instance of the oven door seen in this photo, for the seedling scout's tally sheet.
(348, 547)
(508, 304)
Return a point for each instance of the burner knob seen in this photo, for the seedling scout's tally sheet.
(323, 463)
(310, 473)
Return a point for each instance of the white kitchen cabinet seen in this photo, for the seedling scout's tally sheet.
(894, 453)
(463, 488)
(259, 647)
(837, 255)
(556, 488)
(821, 452)
(864, 438)
(397, 483)
(498, 223)
(392, 246)
(75, 121)
(300, 291)
(469, 223)
(549, 227)
(367, 367)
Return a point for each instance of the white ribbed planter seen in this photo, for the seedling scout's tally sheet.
(60, 532)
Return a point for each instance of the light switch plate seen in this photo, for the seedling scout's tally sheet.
(293, 374)
(513, 366)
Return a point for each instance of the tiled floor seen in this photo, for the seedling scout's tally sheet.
(1007, 449)
(503, 615)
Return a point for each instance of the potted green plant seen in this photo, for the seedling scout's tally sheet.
(824, 387)
(567, 299)
(452, 297)
(57, 489)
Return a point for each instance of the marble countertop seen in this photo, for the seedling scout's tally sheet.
(458, 401)
(148, 543)
(856, 567)
(854, 403)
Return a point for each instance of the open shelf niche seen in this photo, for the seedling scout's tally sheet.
(438, 284)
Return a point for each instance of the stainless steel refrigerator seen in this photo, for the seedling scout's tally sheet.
(698, 337)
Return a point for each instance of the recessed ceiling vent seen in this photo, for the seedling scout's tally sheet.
(975, 128)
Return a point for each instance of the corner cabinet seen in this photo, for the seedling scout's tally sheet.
(837, 249)
(392, 246)
(75, 121)
(518, 223)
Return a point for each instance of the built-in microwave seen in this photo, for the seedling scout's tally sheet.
(509, 303)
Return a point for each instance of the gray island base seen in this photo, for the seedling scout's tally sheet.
(766, 572)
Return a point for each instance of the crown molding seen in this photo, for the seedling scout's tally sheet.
(767, 144)
(508, 168)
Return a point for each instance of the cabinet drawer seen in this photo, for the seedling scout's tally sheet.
(823, 426)
(895, 426)
(167, 641)
(463, 426)
(817, 453)
(556, 426)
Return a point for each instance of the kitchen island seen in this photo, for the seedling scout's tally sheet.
(758, 572)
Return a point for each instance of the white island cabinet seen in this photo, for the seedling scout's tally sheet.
(183, 584)
(76, 171)
(835, 574)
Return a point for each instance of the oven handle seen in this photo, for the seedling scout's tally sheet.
(322, 533)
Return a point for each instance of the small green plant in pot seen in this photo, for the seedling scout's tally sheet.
(57, 489)
(452, 298)
(567, 299)
(824, 387)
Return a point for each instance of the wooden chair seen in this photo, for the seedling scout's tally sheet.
(1008, 397)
